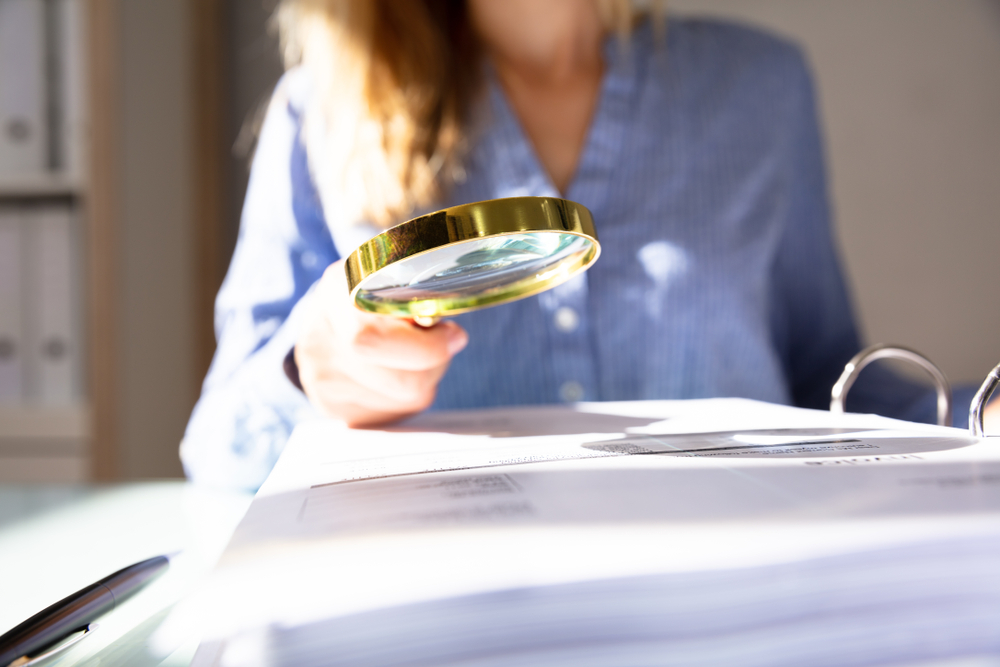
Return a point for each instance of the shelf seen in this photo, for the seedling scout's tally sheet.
(44, 444)
(14, 186)
(31, 422)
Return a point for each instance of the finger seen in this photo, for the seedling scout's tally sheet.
(400, 345)
(341, 394)
(334, 282)
(384, 340)
(402, 388)
(358, 414)
(359, 417)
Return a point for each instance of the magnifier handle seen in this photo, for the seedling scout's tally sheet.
(425, 322)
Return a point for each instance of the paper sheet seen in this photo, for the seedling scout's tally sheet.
(464, 503)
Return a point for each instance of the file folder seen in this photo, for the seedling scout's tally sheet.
(666, 533)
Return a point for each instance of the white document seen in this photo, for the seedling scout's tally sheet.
(23, 141)
(582, 505)
(11, 338)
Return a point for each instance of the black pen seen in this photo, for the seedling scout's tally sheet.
(76, 612)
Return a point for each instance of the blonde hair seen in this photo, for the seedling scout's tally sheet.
(393, 82)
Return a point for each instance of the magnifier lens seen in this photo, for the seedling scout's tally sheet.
(468, 273)
(478, 272)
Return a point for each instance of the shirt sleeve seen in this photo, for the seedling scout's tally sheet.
(811, 314)
(812, 318)
(248, 407)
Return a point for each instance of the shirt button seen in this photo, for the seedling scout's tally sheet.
(567, 320)
(571, 391)
(309, 259)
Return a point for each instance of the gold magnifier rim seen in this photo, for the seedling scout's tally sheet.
(460, 224)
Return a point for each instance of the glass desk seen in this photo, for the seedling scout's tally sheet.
(55, 540)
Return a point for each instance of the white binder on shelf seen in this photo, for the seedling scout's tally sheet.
(23, 119)
(53, 351)
(67, 50)
(11, 339)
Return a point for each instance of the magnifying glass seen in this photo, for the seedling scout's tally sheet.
(472, 256)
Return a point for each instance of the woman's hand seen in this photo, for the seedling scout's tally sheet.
(369, 369)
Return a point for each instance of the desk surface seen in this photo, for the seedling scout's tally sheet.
(57, 539)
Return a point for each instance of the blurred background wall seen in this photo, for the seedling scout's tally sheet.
(910, 98)
(157, 372)
(910, 102)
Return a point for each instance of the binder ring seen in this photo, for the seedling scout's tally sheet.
(979, 400)
(854, 367)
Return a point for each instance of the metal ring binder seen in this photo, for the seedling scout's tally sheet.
(853, 368)
(979, 400)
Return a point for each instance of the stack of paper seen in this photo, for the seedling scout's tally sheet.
(663, 533)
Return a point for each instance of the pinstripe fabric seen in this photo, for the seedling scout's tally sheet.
(704, 171)
(702, 167)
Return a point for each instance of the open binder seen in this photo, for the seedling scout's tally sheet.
(720, 531)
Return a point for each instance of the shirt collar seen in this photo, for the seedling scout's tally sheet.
(507, 158)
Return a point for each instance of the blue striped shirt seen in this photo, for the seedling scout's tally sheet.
(704, 171)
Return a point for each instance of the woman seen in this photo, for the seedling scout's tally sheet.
(695, 145)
